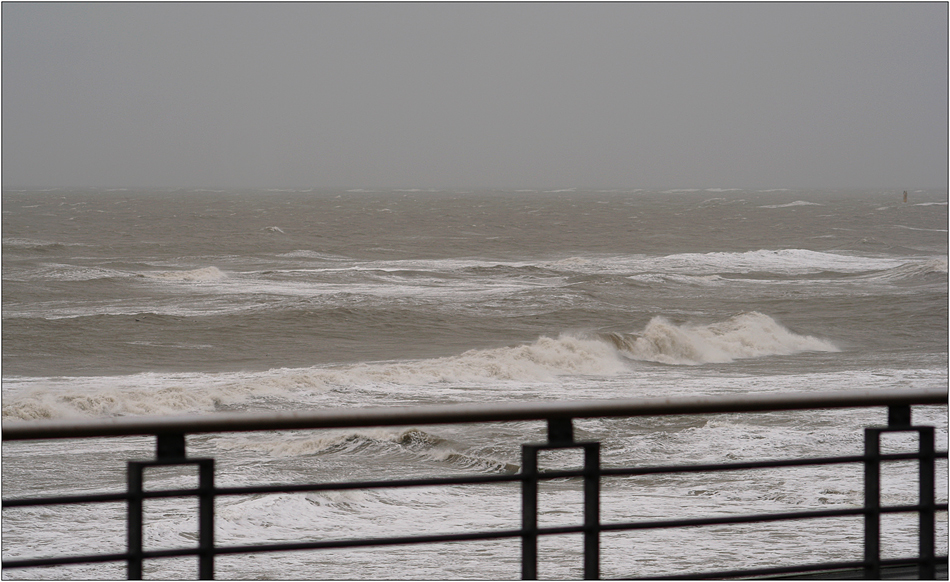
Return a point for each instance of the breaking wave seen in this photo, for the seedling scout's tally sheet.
(151, 394)
(749, 335)
(43, 404)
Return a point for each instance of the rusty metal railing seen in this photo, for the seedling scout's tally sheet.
(170, 450)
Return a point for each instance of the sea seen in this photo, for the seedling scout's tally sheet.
(128, 303)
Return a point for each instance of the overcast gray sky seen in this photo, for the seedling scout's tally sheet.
(526, 95)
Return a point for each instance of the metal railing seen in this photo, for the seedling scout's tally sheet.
(170, 450)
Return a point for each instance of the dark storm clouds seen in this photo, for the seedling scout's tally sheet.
(475, 95)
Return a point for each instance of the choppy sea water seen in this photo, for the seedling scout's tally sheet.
(153, 303)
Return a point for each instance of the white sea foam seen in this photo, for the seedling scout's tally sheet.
(541, 361)
(698, 280)
(41, 404)
(749, 335)
(306, 254)
(792, 204)
(920, 229)
(782, 262)
(203, 274)
(910, 270)
(58, 272)
(137, 394)
(30, 243)
(152, 394)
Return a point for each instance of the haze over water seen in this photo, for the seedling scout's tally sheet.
(201, 213)
(149, 302)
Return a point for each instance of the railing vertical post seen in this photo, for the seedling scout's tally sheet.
(134, 521)
(529, 512)
(206, 519)
(170, 446)
(872, 503)
(927, 567)
(898, 416)
(592, 511)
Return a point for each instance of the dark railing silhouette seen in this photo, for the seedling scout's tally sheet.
(170, 450)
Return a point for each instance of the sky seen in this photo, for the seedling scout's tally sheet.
(475, 95)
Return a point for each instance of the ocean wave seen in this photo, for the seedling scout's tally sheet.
(57, 272)
(35, 245)
(151, 394)
(783, 262)
(305, 254)
(662, 278)
(749, 335)
(792, 204)
(413, 441)
(920, 229)
(917, 269)
(541, 361)
(50, 404)
(146, 394)
(196, 275)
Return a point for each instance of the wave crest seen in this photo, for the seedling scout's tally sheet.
(41, 405)
(749, 335)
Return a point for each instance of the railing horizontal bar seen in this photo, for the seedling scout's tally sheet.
(119, 497)
(263, 548)
(467, 413)
(66, 560)
(753, 518)
(627, 471)
(829, 567)
(448, 481)
(429, 482)
(356, 543)
(67, 499)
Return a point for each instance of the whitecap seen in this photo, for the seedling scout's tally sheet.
(748, 335)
